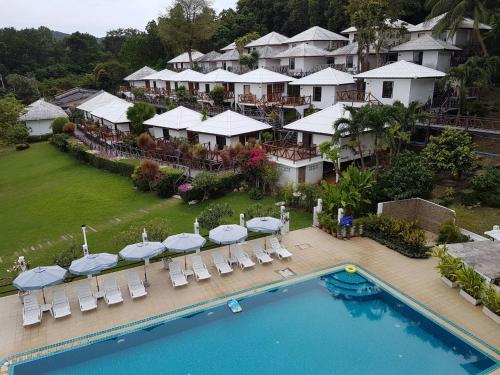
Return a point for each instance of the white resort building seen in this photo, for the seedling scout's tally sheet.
(219, 77)
(173, 123)
(137, 78)
(181, 61)
(39, 116)
(318, 37)
(268, 47)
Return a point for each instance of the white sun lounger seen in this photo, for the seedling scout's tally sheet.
(112, 293)
(135, 285)
(86, 298)
(221, 264)
(242, 258)
(260, 254)
(199, 268)
(60, 304)
(32, 312)
(176, 275)
(279, 250)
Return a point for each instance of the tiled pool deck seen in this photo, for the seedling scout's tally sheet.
(313, 250)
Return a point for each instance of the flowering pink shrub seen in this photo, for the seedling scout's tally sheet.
(185, 187)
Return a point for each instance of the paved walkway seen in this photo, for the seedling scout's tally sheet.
(313, 250)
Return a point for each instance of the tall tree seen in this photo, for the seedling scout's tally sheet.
(455, 11)
(114, 39)
(10, 110)
(24, 88)
(189, 24)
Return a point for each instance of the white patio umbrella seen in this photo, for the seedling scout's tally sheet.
(228, 234)
(40, 278)
(184, 243)
(265, 224)
(142, 251)
(92, 264)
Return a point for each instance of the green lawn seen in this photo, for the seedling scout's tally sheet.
(45, 195)
(477, 219)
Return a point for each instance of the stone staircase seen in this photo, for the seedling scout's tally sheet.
(350, 286)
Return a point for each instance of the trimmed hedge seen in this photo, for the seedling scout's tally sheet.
(166, 185)
(39, 138)
(223, 183)
(403, 236)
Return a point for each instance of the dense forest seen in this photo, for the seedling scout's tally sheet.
(41, 62)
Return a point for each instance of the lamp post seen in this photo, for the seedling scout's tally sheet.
(85, 246)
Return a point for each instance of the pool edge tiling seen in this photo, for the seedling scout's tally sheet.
(412, 303)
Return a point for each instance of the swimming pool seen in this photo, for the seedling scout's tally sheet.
(338, 323)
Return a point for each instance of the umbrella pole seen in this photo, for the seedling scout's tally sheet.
(229, 251)
(97, 282)
(145, 275)
(185, 262)
(43, 294)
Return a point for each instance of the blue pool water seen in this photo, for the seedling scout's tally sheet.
(337, 324)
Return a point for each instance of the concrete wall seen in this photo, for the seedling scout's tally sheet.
(304, 64)
(429, 216)
(290, 174)
(157, 132)
(439, 60)
(39, 127)
(422, 90)
(404, 90)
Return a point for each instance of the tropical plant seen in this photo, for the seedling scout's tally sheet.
(139, 113)
(146, 142)
(217, 95)
(249, 59)
(243, 40)
(145, 175)
(471, 282)
(407, 177)
(352, 127)
(487, 187)
(331, 152)
(448, 266)
(205, 182)
(10, 111)
(24, 88)
(491, 299)
(476, 72)
(64, 258)
(454, 11)
(58, 124)
(18, 134)
(376, 120)
(157, 230)
(452, 152)
(259, 210)
(69, 128)
(214, 215)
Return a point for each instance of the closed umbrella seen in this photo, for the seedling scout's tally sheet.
(228, 234)
(40, 278)
(142, 251)
(92, 264)
(264, 224)
(184, 243)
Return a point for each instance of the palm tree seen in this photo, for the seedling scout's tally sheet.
(475, 72)
(352, 127)
(376, 120)
(455, 11)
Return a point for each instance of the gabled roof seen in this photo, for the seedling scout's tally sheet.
(320, 122)
(115, 112)
(229, 55)
(178, 118)
(315, 33)
(302, 50)
(352, 49)
(271, 39)
(229, 124)
(325, 77)
(187, 75)
(401, 69)
(395, 24)
(425, 43)
(184, 57)
(162, 75)
(261, 75)
(229, 47)
(42, 110)
(140, 74)
(100, 99)
(428, 25)
(210, 56)
(219, 75)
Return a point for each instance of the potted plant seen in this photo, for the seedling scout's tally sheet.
(491, 301)
(447, 267)
(471, 285)
(334, 227)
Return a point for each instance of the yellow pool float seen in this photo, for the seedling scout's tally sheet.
(350, 269)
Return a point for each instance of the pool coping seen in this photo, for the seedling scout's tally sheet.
(10, 362)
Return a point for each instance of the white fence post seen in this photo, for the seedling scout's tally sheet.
(340, 214)
(196, 226)
(242, 220)
(380, 208)
(316, 211)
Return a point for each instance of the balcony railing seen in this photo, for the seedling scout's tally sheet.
(291, 151)
(356, 96)
(275, 98)
(295, 101)
(466, 122)
(204, 96)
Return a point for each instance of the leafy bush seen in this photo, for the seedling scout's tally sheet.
(165, 185)
(491, 299)
(22, 146)
(58, 124)
(303, 196)
(408, 177)
(214, 214)
(39, 138)
(69, 128)
(328, 222)
(255, 194)
(403, 236)
(139, 113)
(468, 197)
(470, 282)
(146, 175)
(205, 182)
(157, 230)
(448, 266)
(487, 187)
(188, 193)
(60, 141)
(65, 258)
(258, 210)
(146, 142)
(450, 233)
(18, 134)
(217, 95)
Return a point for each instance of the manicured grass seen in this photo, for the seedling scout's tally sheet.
(477, 219)
(45, 195)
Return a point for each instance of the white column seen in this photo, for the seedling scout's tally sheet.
(316, 211)
(340, 214)
(196, 226)
(144, 235)
(242, 220)
(85, 246)
(380, 208)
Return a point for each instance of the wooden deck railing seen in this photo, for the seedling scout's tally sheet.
(356, 96)
(466, 122)
(290, 151)
(275, 98)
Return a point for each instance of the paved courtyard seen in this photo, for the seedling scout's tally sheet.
(313, 250)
